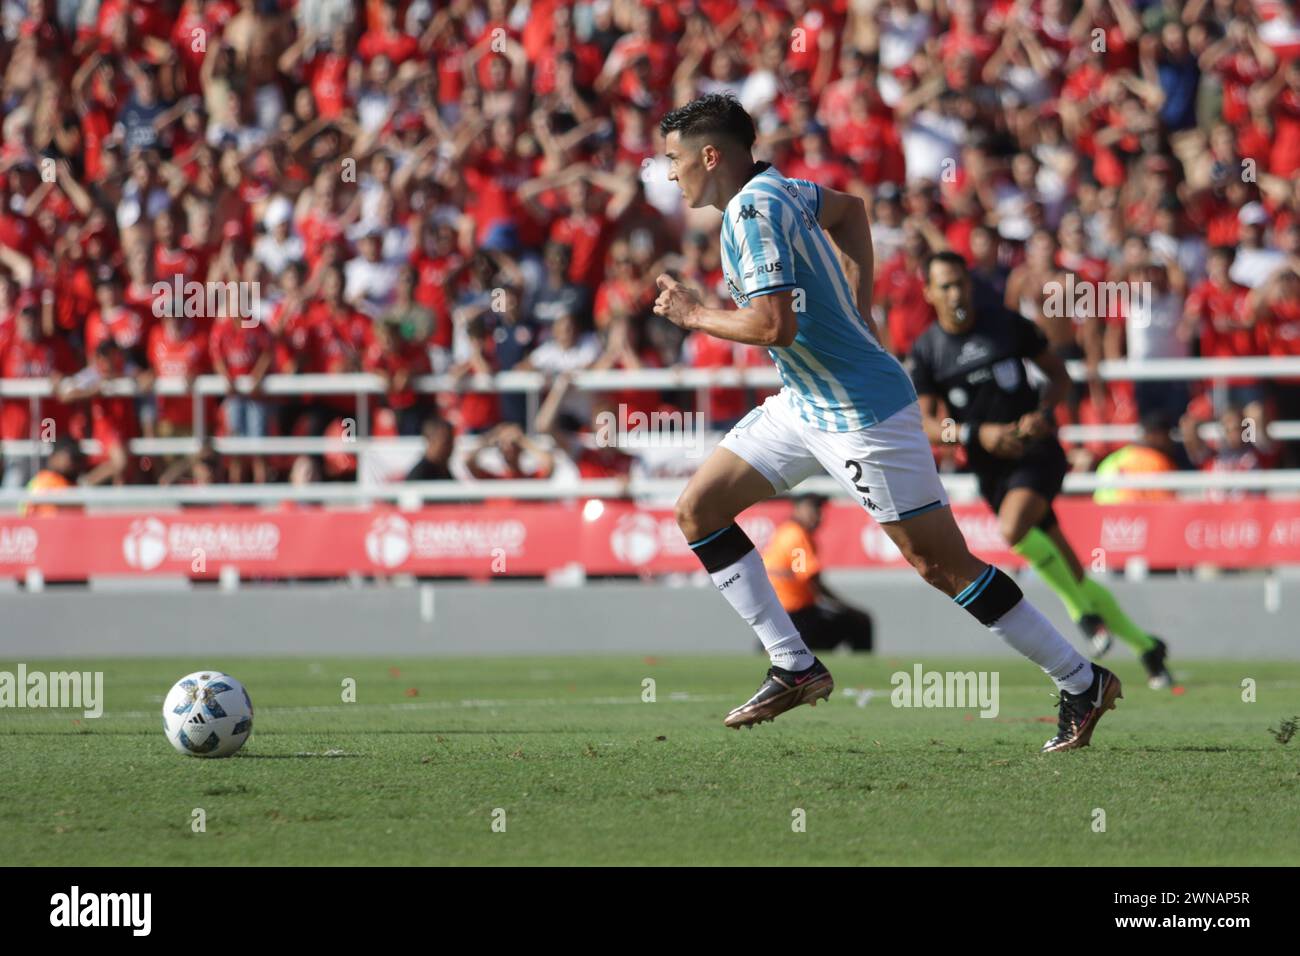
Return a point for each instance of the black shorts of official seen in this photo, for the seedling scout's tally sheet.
(1042, 468)
(826, 627)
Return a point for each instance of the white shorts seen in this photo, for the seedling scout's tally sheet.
(888, 467)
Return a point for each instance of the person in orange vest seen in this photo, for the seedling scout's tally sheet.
(1153, 454)
(823, 619)
(61, 470)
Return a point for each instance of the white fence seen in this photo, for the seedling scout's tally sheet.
(533, 385)
(961, 488)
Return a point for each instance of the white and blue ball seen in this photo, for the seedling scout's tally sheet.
(207, 714)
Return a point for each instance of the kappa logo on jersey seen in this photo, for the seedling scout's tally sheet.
(748, 212)
(972, 351)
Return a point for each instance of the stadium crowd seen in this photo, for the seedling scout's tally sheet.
(471, 187)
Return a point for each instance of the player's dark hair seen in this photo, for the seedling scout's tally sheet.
(718, 114)
(948, 256)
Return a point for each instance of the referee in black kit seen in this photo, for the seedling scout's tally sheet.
(969, 372)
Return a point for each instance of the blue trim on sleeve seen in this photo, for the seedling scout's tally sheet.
(768, 290)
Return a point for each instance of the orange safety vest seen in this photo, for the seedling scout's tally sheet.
(45, 480)
(791, 563)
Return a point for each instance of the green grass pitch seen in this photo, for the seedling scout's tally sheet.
(586, 772)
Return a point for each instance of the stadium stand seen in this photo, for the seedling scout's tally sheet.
(416, 211)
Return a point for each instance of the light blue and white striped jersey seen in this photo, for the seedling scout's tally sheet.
(839, 377)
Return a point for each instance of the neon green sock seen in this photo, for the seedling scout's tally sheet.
(1117, 622)
(1045, 557)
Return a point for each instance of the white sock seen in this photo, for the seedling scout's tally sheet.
(748, 589)
(1025, 629)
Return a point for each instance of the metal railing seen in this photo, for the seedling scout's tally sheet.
(410, 495)
(532, 384)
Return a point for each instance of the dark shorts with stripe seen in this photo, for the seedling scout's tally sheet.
(1042, 468)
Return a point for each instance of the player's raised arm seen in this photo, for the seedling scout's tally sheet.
(768, 320)
(844, 217)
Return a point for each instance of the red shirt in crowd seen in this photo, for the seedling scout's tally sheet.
(1280, 331)
(901, 289)
(238, 346)
(328, 78)
(1226, 331)
(585, 234)
(397, 46)
(316, 340)
(183, 357)
(22, 359)
(1284, 157)
(124, 325)
(407, 357)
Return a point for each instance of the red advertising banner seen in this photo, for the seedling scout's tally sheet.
(603, 537)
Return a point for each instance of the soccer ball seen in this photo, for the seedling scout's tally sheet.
(207, 714)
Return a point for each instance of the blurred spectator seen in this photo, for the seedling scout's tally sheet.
(595, 453)
(887, 223)
(413, 321)
(243, 349)
(27, 352)
(1276, 309)
(201, 468)
(508, 445)
(370, 279)
(434, 464)
(1217, 316)
(477, 411)
(623, 292)
(567, 350)
(557, 294)
(900, 293)
(177, 350)
(397, 362)
(112, 418)
(626, 348)
(1243, 444)
(1153, 453)
(1255, 260)
(1153, 327)
(62, 469)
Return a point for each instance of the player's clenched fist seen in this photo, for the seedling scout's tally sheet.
(676, 302)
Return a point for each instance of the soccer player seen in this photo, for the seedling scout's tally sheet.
(969, 373)
(847, 407)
